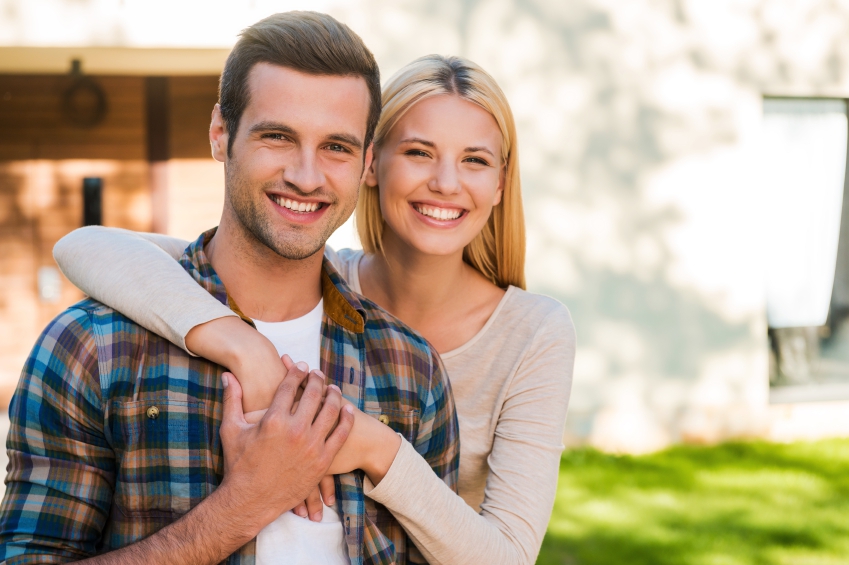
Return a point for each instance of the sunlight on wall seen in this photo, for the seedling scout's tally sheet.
(195, 196)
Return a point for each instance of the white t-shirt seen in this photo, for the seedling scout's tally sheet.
(290, 539)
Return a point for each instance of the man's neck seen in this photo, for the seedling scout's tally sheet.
(263, 284)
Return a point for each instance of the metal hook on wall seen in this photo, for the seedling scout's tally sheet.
(84, 101)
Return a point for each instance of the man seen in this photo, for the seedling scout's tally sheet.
(116, 439)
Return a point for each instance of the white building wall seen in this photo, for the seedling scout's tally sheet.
(639, 126)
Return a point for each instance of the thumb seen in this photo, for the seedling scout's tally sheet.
(232, 399)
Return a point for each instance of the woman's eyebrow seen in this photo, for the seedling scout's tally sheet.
(476, 149)
(418, 140)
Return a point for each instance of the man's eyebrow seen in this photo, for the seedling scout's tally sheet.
(347, 139)
(271, 126)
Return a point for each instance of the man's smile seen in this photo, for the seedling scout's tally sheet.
(296, 205)
(297, 210)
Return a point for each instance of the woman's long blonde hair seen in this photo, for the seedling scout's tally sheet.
(498, 251)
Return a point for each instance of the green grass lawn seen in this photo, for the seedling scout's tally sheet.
(733, 504)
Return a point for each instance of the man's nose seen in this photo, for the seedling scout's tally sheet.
(446, 178)
(304, 171)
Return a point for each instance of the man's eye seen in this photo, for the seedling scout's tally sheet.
(274, 136)
(337, 147)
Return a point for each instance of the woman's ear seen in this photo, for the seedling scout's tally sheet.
(218, 137)
(499, 192)
(371, 171)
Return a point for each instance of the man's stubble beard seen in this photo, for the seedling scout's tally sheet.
(292, 243)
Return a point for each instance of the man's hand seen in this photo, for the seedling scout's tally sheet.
(290, 445)
(270, 467)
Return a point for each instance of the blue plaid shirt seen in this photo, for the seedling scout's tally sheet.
(93, 468)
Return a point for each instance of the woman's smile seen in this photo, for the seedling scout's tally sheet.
(439, 215)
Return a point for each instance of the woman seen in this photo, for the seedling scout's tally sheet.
(440, 218)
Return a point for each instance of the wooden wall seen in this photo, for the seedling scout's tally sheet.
(43, 159)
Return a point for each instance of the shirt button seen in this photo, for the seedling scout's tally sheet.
(153, 412)
(383, 419)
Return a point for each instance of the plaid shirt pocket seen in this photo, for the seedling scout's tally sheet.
(404, 422)
(164, 463)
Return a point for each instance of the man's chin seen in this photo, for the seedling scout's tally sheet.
(296, 251)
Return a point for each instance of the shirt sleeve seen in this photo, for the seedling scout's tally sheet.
(524, 466)
(136, 274)
(61, 467)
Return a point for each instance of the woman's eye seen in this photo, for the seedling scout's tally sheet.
(477, 160)
(416, 153)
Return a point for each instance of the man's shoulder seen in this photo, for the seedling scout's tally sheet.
(91, 330)
(93, 315)
(388, 330)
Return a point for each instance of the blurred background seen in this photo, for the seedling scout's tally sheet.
(684, 168)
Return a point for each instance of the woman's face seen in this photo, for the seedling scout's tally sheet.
(440, 173)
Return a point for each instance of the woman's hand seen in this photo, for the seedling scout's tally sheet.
(245, 352)
(371, 446)
(312, 506)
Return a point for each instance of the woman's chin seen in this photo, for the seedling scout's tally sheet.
(436, 247)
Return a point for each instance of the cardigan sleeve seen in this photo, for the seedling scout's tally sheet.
(138, 275)
(523, 468)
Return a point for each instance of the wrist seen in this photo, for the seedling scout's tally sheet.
(382, 453)
(220, 340)
(247, 517)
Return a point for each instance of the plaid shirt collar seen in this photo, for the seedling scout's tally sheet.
(341, 304)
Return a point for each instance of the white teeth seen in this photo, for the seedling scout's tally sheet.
(439, 213)
(296, 206)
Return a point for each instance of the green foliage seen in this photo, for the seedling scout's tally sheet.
(733, 504)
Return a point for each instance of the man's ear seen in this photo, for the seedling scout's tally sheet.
(370, 175)
(218, 137)
(367, 162)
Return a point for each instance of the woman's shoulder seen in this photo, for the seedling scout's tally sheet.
(523, 322)
(538, 310)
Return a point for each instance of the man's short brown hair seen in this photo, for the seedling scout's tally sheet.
(308, 42)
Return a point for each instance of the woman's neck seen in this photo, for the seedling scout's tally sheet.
(440, 296)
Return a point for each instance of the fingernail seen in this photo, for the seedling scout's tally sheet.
(316, 517)
(349, 409)
(302, 512)
(225, 380)
(302, 366)
(330, 500)
(320, 374)
(334, 387)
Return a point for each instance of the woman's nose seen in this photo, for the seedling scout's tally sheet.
(304, 171)
(446, 179)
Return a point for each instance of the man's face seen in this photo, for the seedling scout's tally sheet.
(297, 162)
